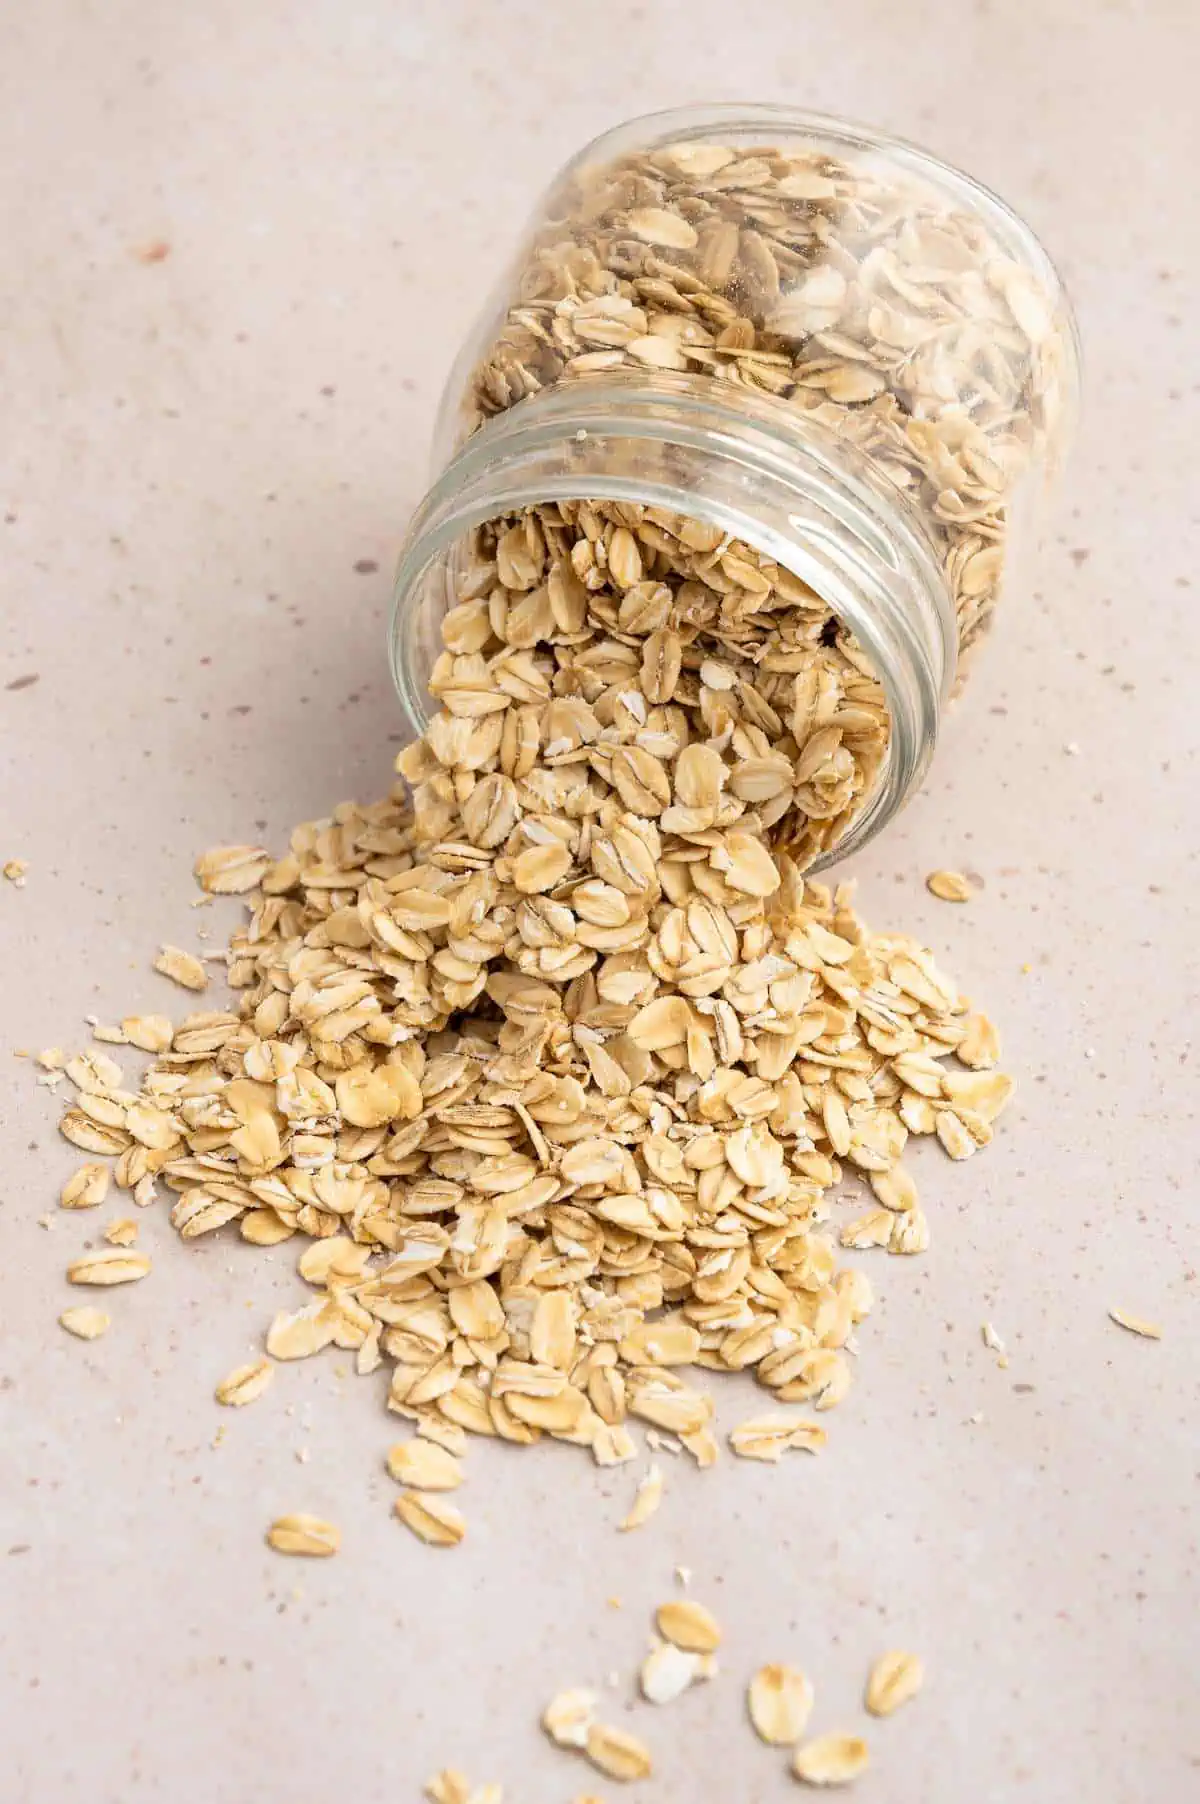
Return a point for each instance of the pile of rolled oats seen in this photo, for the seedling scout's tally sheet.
(556, 1062)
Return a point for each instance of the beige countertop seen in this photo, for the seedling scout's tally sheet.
(241, 243)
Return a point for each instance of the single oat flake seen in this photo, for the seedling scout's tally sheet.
(568, 1717)
(85, 1323)
(1136, 1324)
(431, 1518)
(647, 1498)
(780, 1701)
(668, 1671)
(831, 1760)
(245, 1383)
(115, 1266)
(688, 1625)
(949, 886)
(453, 1787)
(769, 1437)
(310, 1536)
(894, 1679)
(424, 1466)
(618, 1753)
(450, 1786)
(232, 870)
(183, 968)
(14, 869)
(150, 1033)
(86, 1188)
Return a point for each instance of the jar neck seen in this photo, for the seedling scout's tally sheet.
(743, 462)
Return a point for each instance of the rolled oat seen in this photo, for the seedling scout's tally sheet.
(831, 1760)
(895, 1679)
(780, 1701)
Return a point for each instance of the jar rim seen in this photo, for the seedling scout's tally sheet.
(796, 492)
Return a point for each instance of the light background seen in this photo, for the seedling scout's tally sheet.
(195, 454)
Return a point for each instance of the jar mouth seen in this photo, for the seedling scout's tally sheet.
(743, 463)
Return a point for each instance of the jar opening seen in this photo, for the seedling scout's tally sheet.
(743, 464)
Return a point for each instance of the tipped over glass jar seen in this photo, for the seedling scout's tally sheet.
(738, 457)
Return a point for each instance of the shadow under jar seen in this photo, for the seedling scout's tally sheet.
(738, 456)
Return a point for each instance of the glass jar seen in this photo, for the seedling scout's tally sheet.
(819, 376)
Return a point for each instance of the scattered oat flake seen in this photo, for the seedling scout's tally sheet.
(149, 1033)
(431, 1518)
(831, 1760)
(618, 1753)
(311, 1536)
(949, 886)
(113, 1267)
(453, 1787)
(87, 1187)
(980, 1047)
(424, 1466)
(450, 1786)
(991, 1339)
(1136, 1324)
(667, 1671)
(302, 1332)
(446, 1434)
(568, 1717)
(780, 1701)
(14, 869)
(85, 1322)
(769, 1437)
(122, 1232)
(245, 1383)
(647, 1498)
(895, 1678)
(182, 967)
(688, 1625)
(232, 870)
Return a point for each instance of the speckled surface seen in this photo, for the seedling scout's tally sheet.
(207, 460)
